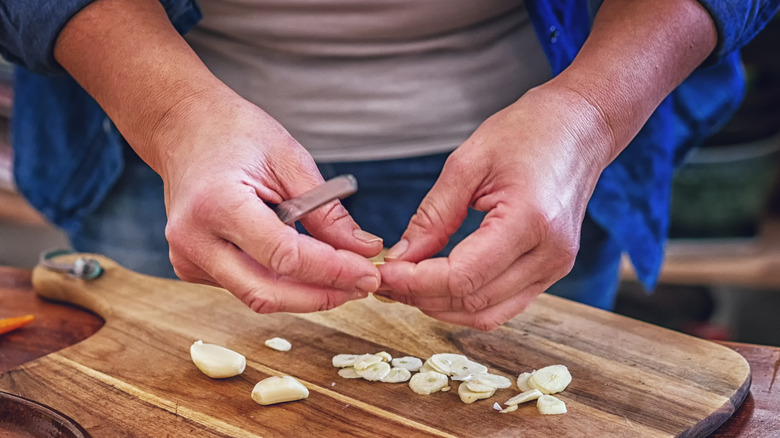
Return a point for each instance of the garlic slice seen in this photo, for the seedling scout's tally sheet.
(549, 405)
(386, 357)
(469, 396)
(278, 344)
(522, 382)
(344, 360)
(216, 361)
(397, 375)
(375, 371)
(366, 360)
(277, 389)
(411, 363)
(524, 397)
(428, 382)
(349, 373)
(550, 379)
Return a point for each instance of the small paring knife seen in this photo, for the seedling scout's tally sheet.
(340, 187)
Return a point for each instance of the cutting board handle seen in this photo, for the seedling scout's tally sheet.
(89, 294)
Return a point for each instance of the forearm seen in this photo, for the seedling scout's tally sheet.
(637, 53)
(129, 57)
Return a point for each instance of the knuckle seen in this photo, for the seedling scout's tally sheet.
(335, 213)
(330, 302)
(487, 324)
(261, 303)
(474, 303)
(285, 258)
(430, 217)
(462, 282)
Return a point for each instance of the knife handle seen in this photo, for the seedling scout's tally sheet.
(340, 187)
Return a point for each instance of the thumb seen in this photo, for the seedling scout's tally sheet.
(438, 217)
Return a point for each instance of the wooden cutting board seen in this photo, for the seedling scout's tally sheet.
(135, 376)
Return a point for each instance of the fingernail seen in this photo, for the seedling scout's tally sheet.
(397, 250)
(369, 283)
(365, 236)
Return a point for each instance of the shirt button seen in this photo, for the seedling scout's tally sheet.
(554, 33)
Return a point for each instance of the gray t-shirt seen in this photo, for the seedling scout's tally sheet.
(362, 80)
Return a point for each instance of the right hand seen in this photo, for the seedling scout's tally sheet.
(221, 159)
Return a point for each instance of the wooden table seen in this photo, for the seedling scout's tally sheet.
(58, 326)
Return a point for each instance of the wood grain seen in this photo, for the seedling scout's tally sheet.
(135, 374)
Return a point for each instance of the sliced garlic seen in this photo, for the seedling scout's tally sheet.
(508, 409)
(469, 396)
(344, 360)
(551, 379)
(366, 360)
(216, 361)
(397, 375)
(386, 357)
(486, 379)
(524, 397)
(549, 405)
(349, 373)
(476, 386)
(444, 362)
(375, 371)
(428, 382)
(278, 344)
(411, 363)
(522, 382)
(426, 367)
(277, 389)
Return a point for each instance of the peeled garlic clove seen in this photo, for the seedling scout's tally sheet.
(411, 363)
(468, 396)
(428, 382)
(277, 389)
(366, 360)
(397, 375)
(216, 361)
(278, 344)
(551, 379)
(549, 405)
(375, 371)
(344, 360)
(524, 397)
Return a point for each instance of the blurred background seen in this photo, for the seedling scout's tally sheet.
(721, 279)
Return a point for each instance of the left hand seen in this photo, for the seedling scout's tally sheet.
(532, 167)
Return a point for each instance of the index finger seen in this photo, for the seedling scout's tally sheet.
(255, 229)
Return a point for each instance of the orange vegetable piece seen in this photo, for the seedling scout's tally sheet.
(8, 324)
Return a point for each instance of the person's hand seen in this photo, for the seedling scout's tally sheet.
(532, 167)
(223, 162)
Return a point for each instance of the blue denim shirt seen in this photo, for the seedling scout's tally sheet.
(71, 153)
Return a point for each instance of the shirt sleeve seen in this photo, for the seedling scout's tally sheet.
(29, 28)
(738, 22)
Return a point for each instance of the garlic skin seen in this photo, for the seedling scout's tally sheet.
(216, 361)
(276, 389)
